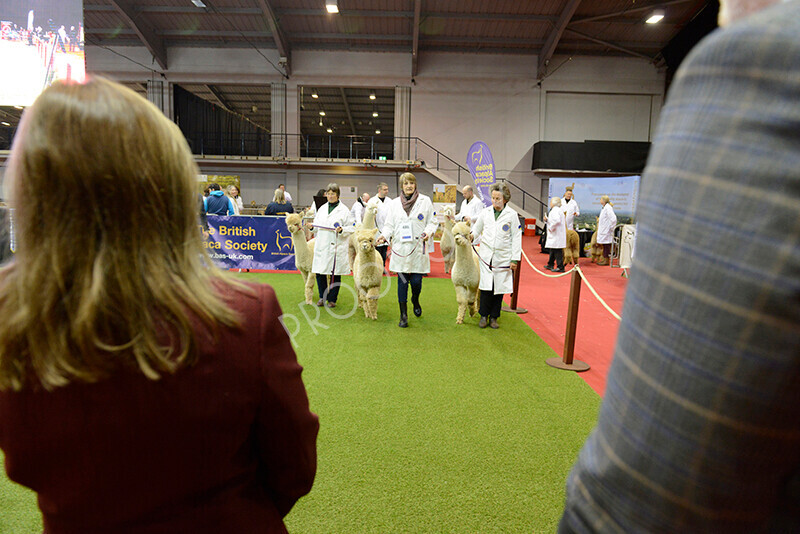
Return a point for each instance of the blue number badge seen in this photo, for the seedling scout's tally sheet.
(420, 216)
(336, 225)
(506, 227)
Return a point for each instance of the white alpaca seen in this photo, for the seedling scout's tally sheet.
(367, 272)
(303, 253)
(466, 274)
(367, 224)
(447, 244)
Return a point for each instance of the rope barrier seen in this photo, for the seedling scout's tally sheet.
(580, 272)
(559, 275)
(606, 306)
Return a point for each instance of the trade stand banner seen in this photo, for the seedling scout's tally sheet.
(623, 191)
(250, 243)
(481, 166)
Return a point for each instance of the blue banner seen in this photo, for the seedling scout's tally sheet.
(250, 243)
(481, 165)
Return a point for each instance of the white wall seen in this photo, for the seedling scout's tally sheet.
(457, 98)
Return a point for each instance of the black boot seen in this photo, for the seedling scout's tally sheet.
(415, 302)
(403, 315)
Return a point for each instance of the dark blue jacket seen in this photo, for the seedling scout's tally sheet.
(218, 204)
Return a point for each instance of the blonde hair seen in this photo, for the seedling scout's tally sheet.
(408, 177)
(608, 200)
(110, 269)
(230, 187)
(279, 197)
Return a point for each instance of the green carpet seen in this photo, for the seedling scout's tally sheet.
(433, 428)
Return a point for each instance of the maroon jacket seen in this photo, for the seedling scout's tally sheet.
(227, 445)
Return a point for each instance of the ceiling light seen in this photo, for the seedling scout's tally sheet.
(374, 113)
(332, 6)
(198, 3)
(320, 123)
(4, 123)
(321, 113)
(656, 16)
(19, 107)
(378, 131)
(330, 130)
(372, 96)
(314, 95)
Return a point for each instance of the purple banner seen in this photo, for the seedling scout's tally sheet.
(250, 243)
(481, 165)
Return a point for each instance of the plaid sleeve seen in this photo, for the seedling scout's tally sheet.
(699, 430)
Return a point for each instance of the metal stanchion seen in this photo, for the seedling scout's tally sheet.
(567, 362)
(513, 308)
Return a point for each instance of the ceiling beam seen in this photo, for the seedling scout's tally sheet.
(347, 109)
(187, 9)
(627, 11)
(143, 30)
(222, 101)
(609, 44)
(280, 39)
(415, 38)
(410, 14)
(551, 42)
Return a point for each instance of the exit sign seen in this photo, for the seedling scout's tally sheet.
(382, 158)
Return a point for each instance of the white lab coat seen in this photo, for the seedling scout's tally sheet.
(328, 244)
(556, 229)
(501, 243)
(606, 224)
(357, 211)
(383, 211)
(570, 209)
(410, 257)
(471, 209)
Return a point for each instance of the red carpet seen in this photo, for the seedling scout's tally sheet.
(546, 300)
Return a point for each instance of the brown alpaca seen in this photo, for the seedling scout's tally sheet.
(597, 250)
(303, 253)
(573, 250)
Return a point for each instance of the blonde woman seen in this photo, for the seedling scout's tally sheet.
(140, 389)
(278, 204)
(236, 198)
(605, 228)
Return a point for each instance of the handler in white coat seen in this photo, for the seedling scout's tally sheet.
(556, 236)
(501, 246)
(333, 224)
(471, 208)
(383, 202)
(570, 208)
(605, 228)
(409, 223)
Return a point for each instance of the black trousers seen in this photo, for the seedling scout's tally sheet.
(403, 280)
(606, 250)
(382, 251)
(491, 304)
(329, 293)
(556, 255)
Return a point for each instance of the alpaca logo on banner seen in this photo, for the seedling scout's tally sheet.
(481, 166)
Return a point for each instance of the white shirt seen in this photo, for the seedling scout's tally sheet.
(556, 229)
(287, 196)
(606, 224)
(570, 209)
(501, 243)
(412, 255)
(330, 247)
(357, 211)
(383, 212)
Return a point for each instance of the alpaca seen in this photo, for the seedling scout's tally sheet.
(573, 249)
(446, 243)
(368, 224)
(303, 253)
(466, 273)
(596, 250)
(367, 272)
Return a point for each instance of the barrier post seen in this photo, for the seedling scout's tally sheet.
(513, 308)
(567, 362)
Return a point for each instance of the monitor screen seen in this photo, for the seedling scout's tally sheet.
(41, 41)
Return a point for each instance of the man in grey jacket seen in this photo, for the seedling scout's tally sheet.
(699, 430)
